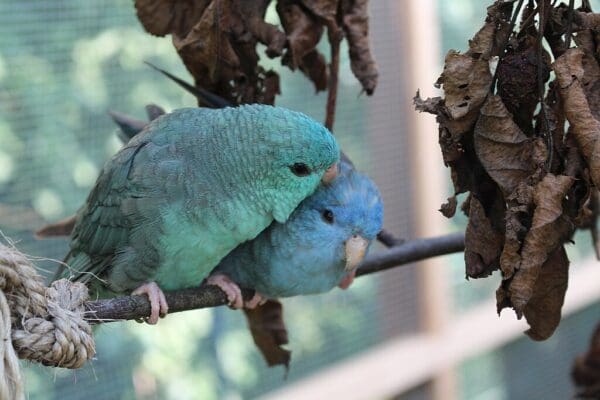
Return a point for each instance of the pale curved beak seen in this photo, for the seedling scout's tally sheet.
(356, 248)
(330, 174)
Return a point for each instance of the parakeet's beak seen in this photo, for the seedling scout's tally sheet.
(330, 174)
(356, 247)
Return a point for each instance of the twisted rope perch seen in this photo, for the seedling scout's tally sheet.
(38, 323)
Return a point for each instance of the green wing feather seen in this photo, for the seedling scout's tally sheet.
(128, 193)
(188, 189)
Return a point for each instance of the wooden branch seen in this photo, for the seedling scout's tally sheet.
(388, 239)
(138, 307)
(335, 38)
(412, 251)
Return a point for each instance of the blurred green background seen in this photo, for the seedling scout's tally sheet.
(63, 64)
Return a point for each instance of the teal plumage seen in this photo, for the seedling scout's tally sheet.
(189, 188)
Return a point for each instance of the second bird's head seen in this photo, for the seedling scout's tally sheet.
(344, 216)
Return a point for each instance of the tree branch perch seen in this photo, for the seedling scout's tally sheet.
(138, 307)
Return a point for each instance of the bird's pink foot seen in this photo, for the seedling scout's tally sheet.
(158, 302)
(234, 293)
(347, 280)
(231, 289)
(258, 300)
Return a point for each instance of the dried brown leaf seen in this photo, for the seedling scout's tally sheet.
(448, 209)
(489, 41)
(206, 48)
(462, 170)
(553, 120)
(582, 203)
(432, 105)
(63, 227)
(268, 88)
(585, 40)
(591, 71)
(543, 310)
(517, 216)
(586, 219)
(466, 77)
(556, 27)
(574, 163)
(549, 229)
(586, 369)
(303, 34)
(510, 257)
(314, 66)
(505, 152)
(163, 17)
(518, 83)
(451, 142)
(352, 18)
(519, 213)
(252, 14)
(499, 14)
(326, 13)
(217, 42)
(466, 205)
(355, 22)
(466, 82)
(269, 332)
(586, 129)
(324, 9)
(483, 243)
(483, 41)
(450, 135)
(452, 150)
(303, 31)
(594, 208)
(586, 20)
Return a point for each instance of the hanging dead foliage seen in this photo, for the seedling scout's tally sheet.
(586, 370)
(217, 40)
(269, 332)
(503, 133)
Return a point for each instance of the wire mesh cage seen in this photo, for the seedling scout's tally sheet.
(64, 64)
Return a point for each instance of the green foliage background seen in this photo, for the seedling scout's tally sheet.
(63, 64)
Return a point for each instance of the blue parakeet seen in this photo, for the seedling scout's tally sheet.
(188, 189)
(317, 248)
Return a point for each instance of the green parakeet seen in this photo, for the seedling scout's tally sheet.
(188, 189)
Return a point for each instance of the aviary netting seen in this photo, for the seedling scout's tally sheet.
(522, 147)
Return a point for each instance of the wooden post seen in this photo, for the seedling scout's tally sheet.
(420, 29)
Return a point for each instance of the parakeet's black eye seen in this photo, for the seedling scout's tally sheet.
(300, 169)
(327, 215)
